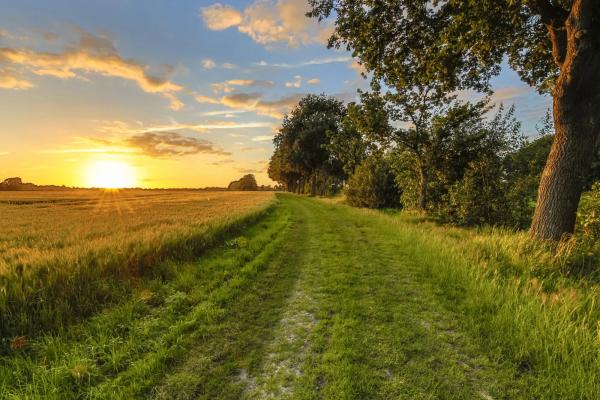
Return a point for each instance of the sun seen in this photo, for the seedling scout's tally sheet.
(110, 175)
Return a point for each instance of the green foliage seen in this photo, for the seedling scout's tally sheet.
(524, 168)
(450, 44)
(373, 185)
(478, 198)
(588, 215)
(302, 160)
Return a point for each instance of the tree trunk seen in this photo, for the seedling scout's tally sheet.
(576, 109)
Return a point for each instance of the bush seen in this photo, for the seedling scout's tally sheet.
(588, 215)
(479, 198)
(373, 185)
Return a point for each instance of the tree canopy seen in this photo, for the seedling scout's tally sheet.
(441, 46)
(301, 160)
(245, 183)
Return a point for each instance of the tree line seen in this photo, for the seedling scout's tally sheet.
(422, 51)
(466, 163)
(437, 47)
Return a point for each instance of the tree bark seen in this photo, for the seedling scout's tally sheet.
(576, 109)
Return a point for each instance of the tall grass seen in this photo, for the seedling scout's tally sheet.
(528, 302)
(65, 255)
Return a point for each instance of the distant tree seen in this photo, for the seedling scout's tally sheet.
(554, 45)
(479, 197)
(347, 144)
(13, 181)
(245, 183)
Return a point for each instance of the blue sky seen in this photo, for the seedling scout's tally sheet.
(185, 93)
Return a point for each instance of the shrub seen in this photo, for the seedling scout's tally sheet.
(588, 215)
(373, 185)
(477, 199)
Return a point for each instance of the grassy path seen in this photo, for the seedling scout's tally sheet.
(354, 322)
(314, 301)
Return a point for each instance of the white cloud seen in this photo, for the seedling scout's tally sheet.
(207, 63)
(313, 81)
(218, 17)
(500, 95)
(91, 54)
(229, 66)
(269, 21)
(296, 83)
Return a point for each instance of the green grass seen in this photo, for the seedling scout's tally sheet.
(317, 300)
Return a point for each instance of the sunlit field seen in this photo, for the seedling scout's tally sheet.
(63, 254)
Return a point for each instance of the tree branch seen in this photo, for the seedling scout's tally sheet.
(554, 18)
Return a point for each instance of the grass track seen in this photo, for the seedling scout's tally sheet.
(317, 301)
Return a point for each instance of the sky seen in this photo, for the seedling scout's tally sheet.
(168, 93)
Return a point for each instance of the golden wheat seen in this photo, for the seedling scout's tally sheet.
(61, 248)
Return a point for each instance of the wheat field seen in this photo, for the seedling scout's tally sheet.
(65, 253)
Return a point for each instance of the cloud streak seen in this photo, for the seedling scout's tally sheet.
(316, 61)
(169, 144)
(151, 144)
(123, 128)
(253, 102)
(229, 86)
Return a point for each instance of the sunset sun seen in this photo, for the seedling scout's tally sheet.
(110, 175)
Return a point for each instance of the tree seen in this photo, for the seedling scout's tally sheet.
(245, 183)
(363, 127)
(554, 45)
(435, 121)
(301, 159)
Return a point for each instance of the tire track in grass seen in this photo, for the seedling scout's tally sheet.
(283, 362)
(218, 366)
